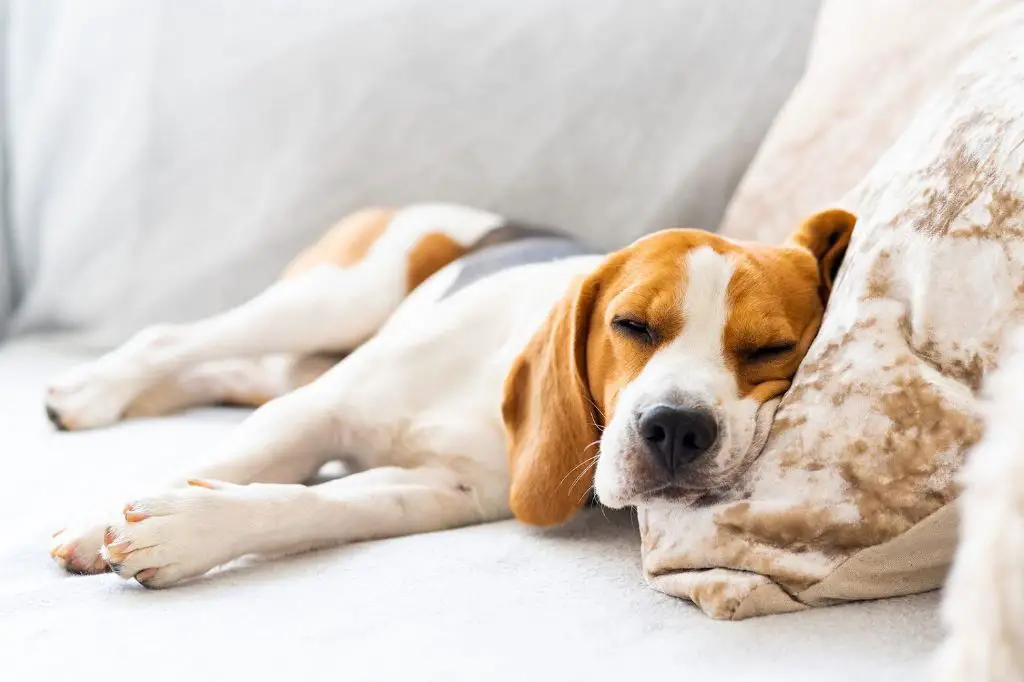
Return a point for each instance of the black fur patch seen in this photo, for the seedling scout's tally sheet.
(514, 244)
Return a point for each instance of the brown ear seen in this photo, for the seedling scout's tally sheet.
(549, 414)
(826, 235)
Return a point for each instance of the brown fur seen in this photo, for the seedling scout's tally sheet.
(796, 287)
(549, 414)
(350, 240)
(565, 385)
(639, 285)
(344, 244)
(431, 253)
(826, 236)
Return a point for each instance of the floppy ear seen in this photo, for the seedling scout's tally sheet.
(549, 414)
(826, 235)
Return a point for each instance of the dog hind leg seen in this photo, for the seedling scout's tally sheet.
(330, 300)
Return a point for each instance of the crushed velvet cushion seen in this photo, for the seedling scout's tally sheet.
(850, 498)
(852, 104)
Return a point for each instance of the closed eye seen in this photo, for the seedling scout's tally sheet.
(633, 327)
(771, 351)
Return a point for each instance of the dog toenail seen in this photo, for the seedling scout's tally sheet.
(131, 515)
(199, 483)
(55, 419)
(62, 552)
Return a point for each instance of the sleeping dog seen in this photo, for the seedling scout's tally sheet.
(487, 369)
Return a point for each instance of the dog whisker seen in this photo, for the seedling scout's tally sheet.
(588, 461)
(586, 492)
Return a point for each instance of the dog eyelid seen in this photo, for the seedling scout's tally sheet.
(769, 351)
(634, 327)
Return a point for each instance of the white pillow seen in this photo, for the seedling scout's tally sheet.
(168, 157)
(854, 102)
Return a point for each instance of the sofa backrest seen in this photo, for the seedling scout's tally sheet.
(7, 275)
(167, 157)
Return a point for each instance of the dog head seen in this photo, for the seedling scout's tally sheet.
(655, 378)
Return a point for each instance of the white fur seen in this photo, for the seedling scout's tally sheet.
(464, 224)
(984, 601)
(193, 529)
(417, 406)
(326, 309)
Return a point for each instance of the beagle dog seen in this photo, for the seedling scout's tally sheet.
(467, 369)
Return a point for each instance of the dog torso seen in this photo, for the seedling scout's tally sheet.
(437, 367)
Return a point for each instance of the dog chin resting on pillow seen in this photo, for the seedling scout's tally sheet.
(488, 369)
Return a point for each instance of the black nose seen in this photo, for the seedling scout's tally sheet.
(677, 435)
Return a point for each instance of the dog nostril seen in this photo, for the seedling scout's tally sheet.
(654, 434)
(677, 435)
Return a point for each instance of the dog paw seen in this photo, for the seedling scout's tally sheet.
(180, 534)
(77, 549)
(93, 395)
(98, 393)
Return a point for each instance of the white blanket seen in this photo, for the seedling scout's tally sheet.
(496, 602)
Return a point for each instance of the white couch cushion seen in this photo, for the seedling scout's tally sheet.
(168, 157)
(495, 602)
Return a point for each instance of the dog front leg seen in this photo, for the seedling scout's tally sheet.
(285, 441)
(186, 532)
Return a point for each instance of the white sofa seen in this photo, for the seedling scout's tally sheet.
(163, 159)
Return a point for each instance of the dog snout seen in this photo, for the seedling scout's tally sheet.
(676, 435)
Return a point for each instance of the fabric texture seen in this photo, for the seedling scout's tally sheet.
(873, 63)
(497, 602)
(169, 157)
(851, 496)
(7, 292)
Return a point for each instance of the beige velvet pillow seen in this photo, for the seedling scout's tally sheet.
(871, 66)
(850, 498)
